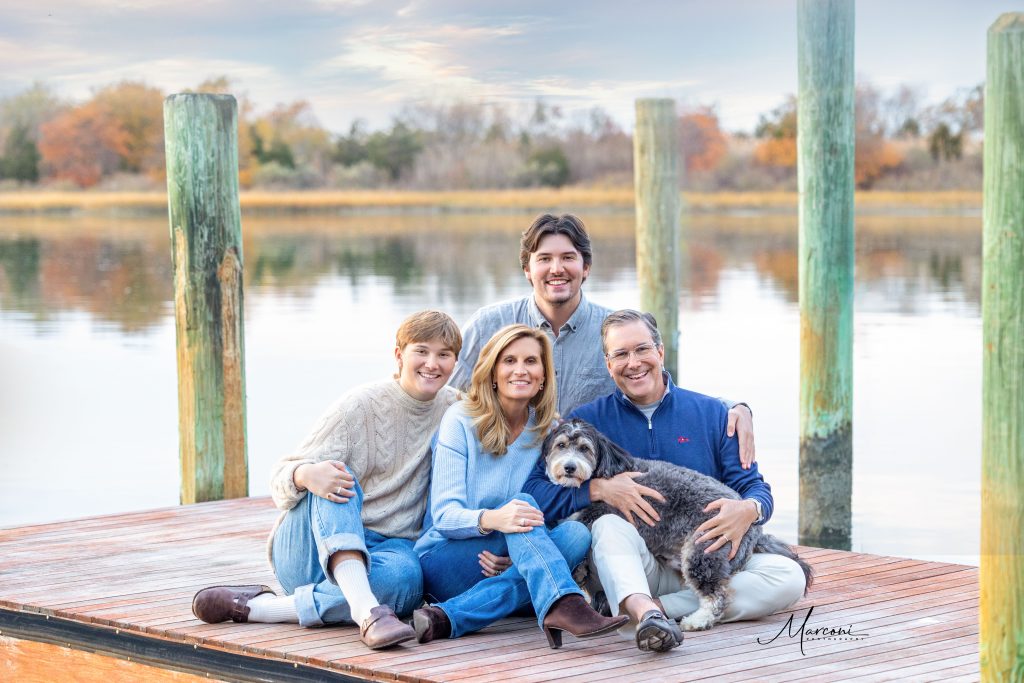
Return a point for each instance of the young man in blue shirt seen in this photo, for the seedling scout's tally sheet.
(556, 256)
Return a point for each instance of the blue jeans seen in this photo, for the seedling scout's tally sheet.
(540, 574)
(314, 530)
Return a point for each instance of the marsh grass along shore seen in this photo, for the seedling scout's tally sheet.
(612, 200)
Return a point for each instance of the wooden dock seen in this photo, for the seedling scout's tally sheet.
(109, 599)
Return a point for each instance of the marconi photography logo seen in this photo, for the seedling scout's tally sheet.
(807, 632)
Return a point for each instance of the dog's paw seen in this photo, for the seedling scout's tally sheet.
(701, 620)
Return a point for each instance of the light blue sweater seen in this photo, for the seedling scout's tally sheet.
(465, 480)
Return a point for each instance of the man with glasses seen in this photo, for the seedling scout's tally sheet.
(651, 418)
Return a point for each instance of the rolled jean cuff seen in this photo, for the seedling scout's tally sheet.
(343, 541)
(305, 607)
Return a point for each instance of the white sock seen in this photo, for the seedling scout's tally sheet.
(355, 586)
(273, 609)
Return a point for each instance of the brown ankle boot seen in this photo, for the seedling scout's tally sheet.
(572, 613)
(431, 623)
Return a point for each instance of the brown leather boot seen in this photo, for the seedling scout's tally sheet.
(431, 623)
(220, 603)
(572, 613)
(383, 629)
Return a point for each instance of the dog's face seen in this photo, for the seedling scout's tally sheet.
(570, 453)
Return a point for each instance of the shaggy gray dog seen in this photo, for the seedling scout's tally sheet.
(575, 451)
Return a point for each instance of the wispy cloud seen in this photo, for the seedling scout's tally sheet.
(364, 58)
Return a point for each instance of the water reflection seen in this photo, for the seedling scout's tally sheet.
(19, 259)
(87, 362)
(123, 276)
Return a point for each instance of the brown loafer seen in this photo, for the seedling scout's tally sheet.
(431, 623)
(220, 603)
(383, 629)
(572, 613)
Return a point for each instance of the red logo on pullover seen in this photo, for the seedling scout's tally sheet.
(682, 439)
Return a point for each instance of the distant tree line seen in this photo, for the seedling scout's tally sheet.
(114, 140)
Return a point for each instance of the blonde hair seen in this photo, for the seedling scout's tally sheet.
(492, 428)
(425, 326)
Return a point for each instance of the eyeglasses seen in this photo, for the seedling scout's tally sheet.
(641, 352)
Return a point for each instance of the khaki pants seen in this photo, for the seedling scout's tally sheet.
(766, 584)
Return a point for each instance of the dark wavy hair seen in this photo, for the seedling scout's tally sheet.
(549, 224)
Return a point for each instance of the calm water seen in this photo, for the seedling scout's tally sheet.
(88, 407)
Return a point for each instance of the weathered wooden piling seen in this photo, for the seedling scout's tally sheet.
(1002, 312)
(206, 238)
(658, 206)
(825, 147)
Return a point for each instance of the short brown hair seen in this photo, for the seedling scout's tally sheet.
(548, 224)
(426, 326)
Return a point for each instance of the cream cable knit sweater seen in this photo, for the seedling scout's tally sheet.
(383, 436)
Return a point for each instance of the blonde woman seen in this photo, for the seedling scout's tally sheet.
(486, 447)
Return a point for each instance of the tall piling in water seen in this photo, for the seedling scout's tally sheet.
(201, 141)
(658, 206)
(825, 149)
(1002, 312)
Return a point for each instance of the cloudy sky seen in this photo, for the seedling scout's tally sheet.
(365, 58)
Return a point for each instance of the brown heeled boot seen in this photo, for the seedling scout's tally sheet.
(572, 613)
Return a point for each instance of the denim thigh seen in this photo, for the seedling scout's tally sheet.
(452, 567)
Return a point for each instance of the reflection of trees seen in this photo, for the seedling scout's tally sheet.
(124, 282)
(782, 267)
(127, 283)
(946, 269)
(920, 258)
(19, 262)
(124, 276)
(271, 262)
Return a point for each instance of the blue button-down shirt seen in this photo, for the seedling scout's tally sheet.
(580, 368)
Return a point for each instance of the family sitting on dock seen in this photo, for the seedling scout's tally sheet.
(361, 542)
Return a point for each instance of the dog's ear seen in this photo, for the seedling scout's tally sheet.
(612, 459)
(545, 446)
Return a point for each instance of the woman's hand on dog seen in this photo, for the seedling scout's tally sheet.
(514, 517)
(627, 496)
(728, 526)
(741, 423)
(328, 479)
(493, 564)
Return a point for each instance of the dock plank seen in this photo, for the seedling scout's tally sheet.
(132, 576)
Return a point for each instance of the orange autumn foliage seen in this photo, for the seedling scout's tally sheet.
(702, 141)
(139, 110)
(83, 144)
(874, 157)
(779, 152)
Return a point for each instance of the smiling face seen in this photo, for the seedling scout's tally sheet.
(556, 271)
(424, 367)
(634, 362)
(519, 372)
